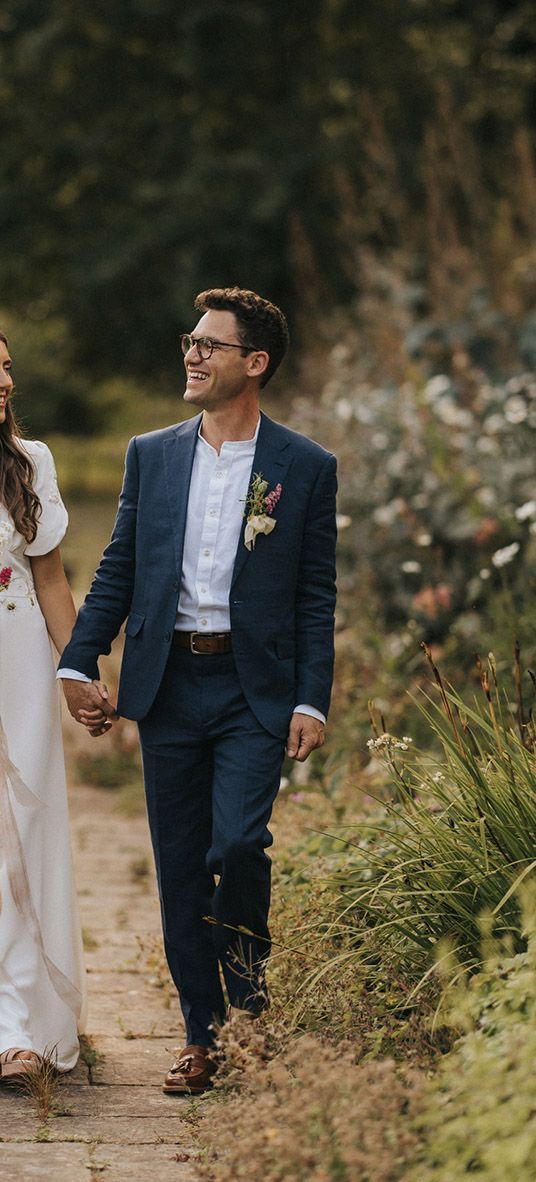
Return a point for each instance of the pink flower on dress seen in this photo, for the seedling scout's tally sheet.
(5, 577)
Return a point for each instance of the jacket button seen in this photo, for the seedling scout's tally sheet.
(167, 636)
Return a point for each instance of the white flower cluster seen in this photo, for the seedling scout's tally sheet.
(504, 556)
(387, 743)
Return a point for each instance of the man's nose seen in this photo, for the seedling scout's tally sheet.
(193, 353)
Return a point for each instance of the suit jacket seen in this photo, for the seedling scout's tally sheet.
(282, 594)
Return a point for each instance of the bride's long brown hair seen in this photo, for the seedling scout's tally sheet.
(16, 476)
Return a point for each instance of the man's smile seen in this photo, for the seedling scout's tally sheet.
(196, 375)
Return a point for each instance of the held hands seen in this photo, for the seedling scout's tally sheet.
(89, 704)
(305, 733)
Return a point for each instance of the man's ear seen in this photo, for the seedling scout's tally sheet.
(258, 364)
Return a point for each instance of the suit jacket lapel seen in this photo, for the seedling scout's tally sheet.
(272, 460)
(179, 448)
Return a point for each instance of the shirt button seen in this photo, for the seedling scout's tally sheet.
(203, 590)
(203, 623)
(218, 474)
(212, 512)
(207, 552)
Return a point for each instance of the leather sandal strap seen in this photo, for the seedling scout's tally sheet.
(18, 1055)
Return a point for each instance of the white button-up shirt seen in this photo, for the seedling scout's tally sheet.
(218, 489)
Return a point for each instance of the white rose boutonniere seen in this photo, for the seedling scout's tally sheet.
(260, 505)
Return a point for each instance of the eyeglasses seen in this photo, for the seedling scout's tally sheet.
(205, 345)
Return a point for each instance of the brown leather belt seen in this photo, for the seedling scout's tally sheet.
(203, 643)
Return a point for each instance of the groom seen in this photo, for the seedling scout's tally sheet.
(222, 563)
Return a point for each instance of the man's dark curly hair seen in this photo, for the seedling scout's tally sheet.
(260, 324)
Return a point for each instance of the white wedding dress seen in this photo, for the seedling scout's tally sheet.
(41, 964)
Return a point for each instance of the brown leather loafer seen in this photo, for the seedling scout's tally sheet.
(191, 1073)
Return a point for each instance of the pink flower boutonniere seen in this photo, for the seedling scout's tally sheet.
(260, 505)
(5, 577)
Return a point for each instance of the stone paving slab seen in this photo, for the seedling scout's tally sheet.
(133, 1061)
(118, 1005)
(124, 1100)
(141, 1163)
(24, 1163)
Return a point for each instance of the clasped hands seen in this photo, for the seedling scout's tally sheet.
(89, 703)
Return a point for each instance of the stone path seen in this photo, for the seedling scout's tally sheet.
(110, 1119)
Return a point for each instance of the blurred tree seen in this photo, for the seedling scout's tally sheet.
(151, 149)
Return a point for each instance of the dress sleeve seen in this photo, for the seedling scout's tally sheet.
(53, 519)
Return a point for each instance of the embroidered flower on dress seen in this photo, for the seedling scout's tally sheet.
(5, 577)
(6, 533)
(260, 504)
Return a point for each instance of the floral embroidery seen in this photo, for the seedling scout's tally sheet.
(260, 504)
(5, 577)
(6, 533)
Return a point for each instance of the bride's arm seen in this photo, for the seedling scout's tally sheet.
(54, 596)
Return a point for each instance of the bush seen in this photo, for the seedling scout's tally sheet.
(437, 476)
(312, 1114)
(480, 1115)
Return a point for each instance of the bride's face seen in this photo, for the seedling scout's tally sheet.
(6, 380)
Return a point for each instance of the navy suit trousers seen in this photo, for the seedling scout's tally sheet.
(211, 776)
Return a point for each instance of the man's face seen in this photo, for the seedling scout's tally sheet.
(224, 376)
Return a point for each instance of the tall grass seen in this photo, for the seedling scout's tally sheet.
(448, 853)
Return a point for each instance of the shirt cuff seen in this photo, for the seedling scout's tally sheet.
(312, 711)
(71, 675)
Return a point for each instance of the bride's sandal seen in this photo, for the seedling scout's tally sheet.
(16, 1064)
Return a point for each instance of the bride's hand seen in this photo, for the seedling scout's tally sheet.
(89, 704)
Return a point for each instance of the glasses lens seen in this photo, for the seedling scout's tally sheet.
(203, 345)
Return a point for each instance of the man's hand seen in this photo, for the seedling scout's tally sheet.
(305, 733)
(89, 704)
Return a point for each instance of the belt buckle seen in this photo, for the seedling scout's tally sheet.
(196, 651)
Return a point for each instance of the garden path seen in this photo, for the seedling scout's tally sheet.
(109, 1118)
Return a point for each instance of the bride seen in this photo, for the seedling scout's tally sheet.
(41, 969)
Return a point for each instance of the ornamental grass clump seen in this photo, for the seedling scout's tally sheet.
(457, 843)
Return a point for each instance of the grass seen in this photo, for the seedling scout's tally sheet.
(41, 1085)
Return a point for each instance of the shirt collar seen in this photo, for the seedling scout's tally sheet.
(245, 445)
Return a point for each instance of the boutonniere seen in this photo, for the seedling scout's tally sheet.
(260, 505)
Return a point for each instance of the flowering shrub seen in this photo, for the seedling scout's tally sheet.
(438, 492)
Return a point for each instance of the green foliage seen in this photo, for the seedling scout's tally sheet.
(150, 150)
(461, 840)
(479, 1117)
(439, 517)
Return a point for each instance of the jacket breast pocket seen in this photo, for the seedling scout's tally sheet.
(134, 624)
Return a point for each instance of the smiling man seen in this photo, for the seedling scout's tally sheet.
(222, 562)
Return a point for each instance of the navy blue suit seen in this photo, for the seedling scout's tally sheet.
(213, 728)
